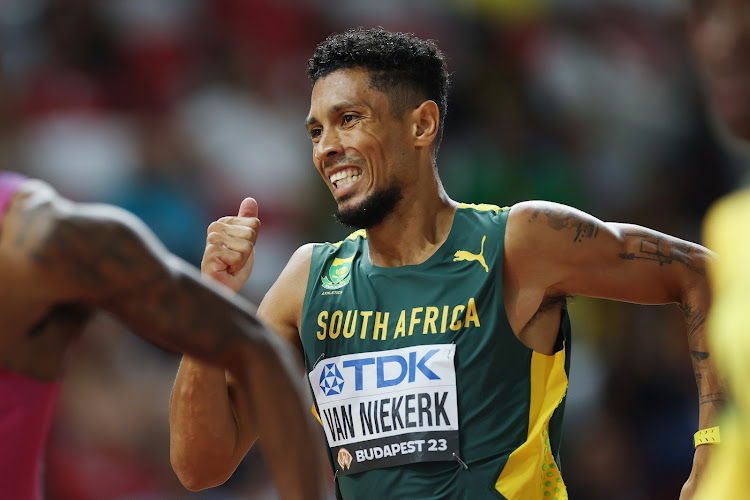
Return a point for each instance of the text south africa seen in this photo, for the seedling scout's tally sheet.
(376, 324)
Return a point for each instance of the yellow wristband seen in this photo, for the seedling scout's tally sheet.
(707, 436)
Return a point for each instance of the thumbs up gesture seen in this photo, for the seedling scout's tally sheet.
(230, 246)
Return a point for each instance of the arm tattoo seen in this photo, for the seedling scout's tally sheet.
(121, 267)
(182, 314)
(713, 398)
(659, 248)
(695, 321)
(559, 219)
(699, 355)
(93, 254)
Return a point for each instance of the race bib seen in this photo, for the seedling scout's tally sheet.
(388, 408)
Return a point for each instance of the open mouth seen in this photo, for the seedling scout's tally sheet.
(345, 177)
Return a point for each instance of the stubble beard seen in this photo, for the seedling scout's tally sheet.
(372, 211)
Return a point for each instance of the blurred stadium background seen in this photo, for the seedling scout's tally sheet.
(177, 109)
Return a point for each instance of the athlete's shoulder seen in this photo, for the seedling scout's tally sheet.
(301, 258)
(295, 274)
(544, 213)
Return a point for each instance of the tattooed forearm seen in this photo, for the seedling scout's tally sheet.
(559, 219)
(709, 391)
(101, 255)
(183, 314)
(695, 321)
(699, 356)
(115, 263)
(661, 249)
(713, 398)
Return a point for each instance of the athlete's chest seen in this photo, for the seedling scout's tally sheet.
(379, 310)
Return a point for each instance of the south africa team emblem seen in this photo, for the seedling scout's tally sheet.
(339, 274)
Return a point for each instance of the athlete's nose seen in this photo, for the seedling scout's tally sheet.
(328, 146)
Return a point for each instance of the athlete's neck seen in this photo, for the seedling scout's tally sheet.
(413, 232)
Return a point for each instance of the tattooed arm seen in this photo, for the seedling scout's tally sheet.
(553, 250)
(104, 257)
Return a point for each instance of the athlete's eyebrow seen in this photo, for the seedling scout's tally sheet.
(311, 120)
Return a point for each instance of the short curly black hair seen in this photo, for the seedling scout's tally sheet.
(406, 68)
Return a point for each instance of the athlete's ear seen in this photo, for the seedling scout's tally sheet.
(426, 121)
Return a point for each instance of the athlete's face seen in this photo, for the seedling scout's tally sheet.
(359, 148)
(720, 34)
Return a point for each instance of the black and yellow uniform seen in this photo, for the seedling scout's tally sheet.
(422, 387)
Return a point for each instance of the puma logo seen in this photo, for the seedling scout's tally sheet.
(464, 255)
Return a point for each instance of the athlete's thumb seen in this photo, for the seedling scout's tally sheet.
(248, 208)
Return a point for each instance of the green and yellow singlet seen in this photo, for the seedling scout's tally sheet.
(421, 386)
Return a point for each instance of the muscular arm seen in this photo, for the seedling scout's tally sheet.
(553, 250)
(107, 258)
(209, 413)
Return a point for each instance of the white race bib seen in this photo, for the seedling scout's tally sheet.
(388, 408)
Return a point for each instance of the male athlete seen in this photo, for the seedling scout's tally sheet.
(436, 338)
(720, 35)
(59, 261)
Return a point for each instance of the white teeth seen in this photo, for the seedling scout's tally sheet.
(345, 177)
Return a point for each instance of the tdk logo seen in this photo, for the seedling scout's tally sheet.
(331, 380)
(400, 368)
(389, 370)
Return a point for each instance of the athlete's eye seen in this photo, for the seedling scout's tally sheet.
(315, 133)
(348, 118)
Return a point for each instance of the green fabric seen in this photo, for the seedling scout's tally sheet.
(492, 366)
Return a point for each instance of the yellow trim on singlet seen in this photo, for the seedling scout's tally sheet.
(483, 207)
(316, 414)
(531, 470)
(360, 233)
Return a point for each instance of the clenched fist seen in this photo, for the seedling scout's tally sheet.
(230, 246)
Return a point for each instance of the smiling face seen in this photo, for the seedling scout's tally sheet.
(720, 35)
(360, 149)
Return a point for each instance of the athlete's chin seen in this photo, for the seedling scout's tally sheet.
(348, 202)
(356, 215)
(364, 212)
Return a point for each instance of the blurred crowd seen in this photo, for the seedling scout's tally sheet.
(178, 109)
